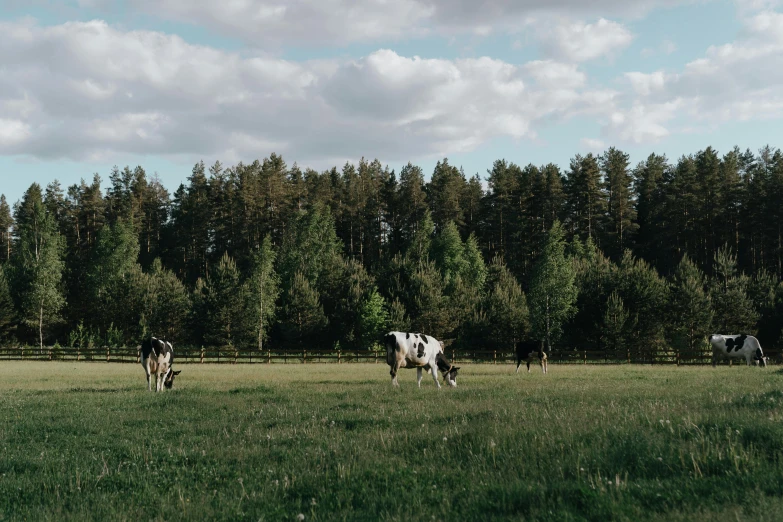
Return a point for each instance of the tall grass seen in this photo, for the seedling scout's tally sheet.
(86, 441)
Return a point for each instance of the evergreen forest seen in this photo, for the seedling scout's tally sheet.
(601, 255)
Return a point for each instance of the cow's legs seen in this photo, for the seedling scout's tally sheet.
(418, 376)
(528, 366)
(147, 372)
(545, 365)
(714, 359)
(749, 359)
(541, 363)
(519, 363)
(395, 367)
(434, 370)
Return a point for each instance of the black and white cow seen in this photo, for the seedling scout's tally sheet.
(530, 351)
(413, 350)
(157, 358)
(735, 347)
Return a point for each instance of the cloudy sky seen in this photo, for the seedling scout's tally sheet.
(87, 84)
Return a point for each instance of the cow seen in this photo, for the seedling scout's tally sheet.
(529, 351)
(157, 358)
(735, 347)
(423, 352)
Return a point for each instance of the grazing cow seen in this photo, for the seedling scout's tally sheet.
(412, 350)
(529, 351)
(157, 358)
(735, 347)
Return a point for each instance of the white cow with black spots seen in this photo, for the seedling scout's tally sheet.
(413, 350)
(157, 358)
(737, 347)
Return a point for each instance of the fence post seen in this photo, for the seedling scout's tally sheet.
(628, 353)
(50, 353)
(338, 356)
(138, 355)
(376, 356)
(494, 356)
(77, 353)
(584, 354)
(107, 353)
(268, 356)
(304, 355)
(678, 356)
(236, 355)
(202, 356)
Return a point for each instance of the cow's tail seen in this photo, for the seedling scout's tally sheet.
(392, 346)
(146, 348)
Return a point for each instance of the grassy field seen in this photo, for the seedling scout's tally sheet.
(86, 441)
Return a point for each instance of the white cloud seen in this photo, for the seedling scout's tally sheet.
(579, 41)
(298, 22)
(738, 81)
(642, 123)
(645, 84)
(592, 145)
(550, 74)
(88, 90)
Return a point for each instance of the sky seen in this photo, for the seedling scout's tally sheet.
(89, 84)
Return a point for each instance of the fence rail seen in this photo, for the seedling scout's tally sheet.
(229, 355)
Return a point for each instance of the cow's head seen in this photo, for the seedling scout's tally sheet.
(759, 358)
(451, 376)
(169, 382)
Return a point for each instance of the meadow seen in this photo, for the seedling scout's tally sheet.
(86, 441)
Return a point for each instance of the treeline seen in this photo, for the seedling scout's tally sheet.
(603, 255)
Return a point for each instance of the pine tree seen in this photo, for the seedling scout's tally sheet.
(552, 289)
(649, 177)
(6, 225)
(412, 201)
(445, 193)
(501, 211)
(7, 308)
(37, 264)
(621, 216)
(586, 199)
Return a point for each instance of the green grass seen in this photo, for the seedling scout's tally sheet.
(86, 441)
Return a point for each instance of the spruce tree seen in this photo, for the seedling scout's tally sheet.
(552, 289)
(303, 317)
(37, 264)
(734, 310)
(263, 289)
(505, 308)
(690, 307)
(373, 320)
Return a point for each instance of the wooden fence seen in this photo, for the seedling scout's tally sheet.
(228, 355)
